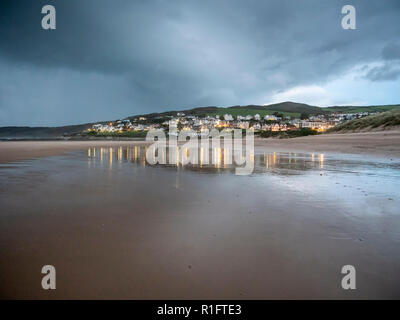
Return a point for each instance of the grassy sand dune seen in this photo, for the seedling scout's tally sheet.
(383, 121)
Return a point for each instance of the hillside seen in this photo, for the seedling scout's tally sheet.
(41, 132)
(355, 109)
(295, 107)
(289, 109)
(382, 121)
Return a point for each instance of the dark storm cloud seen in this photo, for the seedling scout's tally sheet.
(391, 51)
(386, 72)
(109, 59)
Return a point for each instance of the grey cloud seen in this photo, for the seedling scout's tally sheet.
(391, 51)
(386, 72)
(145, 56)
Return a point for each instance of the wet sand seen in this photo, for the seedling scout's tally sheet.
(116, 228)
(385, 144)
(23, 150)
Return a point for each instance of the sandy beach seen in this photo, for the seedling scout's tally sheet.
(22, 150)
(383, 144)
(116, 228)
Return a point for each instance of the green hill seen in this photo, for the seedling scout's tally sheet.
(355, 109)
(41, 132)
(287, 108)
(295, 107)
(250, 110)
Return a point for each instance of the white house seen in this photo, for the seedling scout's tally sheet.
(228, 117)
(270, 117)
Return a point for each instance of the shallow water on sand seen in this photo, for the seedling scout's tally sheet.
(116, 227)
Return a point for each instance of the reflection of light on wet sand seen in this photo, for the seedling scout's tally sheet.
(321, 161)
(89, 158)
(111, 157)
(217, 158)
(205, 157)
(226, 155)
(144, 158)
(120, 154)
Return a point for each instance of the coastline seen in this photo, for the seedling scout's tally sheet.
(162, 234)
(383, 144)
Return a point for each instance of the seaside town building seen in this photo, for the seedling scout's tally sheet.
(202, 124)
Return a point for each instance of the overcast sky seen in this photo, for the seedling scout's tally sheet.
(112, 59)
